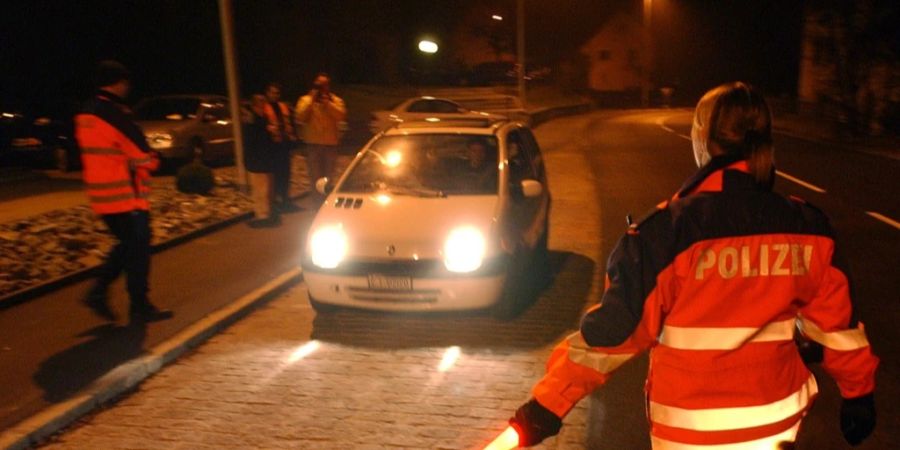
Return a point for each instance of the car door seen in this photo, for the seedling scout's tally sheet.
(540, 219)
(218, 130)
(522, 211)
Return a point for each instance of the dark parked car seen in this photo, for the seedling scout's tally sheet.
(37, 140)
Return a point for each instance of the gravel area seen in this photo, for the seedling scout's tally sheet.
(57, 243)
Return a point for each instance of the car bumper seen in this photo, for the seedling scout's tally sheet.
(426, 294)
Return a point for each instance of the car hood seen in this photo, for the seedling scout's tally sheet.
(416, 227)
(160, 126)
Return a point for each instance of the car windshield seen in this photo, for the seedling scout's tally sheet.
(168, 109)
(427, 165)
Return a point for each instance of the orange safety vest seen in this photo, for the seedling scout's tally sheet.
(283, 130)
(713, 284)
(115, 156)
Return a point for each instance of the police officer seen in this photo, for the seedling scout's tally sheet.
(714, 283)
(117, 164)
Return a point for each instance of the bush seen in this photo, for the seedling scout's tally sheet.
(194, 178)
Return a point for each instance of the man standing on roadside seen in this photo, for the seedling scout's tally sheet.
(117, 164)
(320, 112)
(258, 158)
(281, 130)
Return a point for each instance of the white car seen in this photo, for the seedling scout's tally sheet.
(421, 108)
(433, 216)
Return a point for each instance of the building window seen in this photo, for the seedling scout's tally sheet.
(605, 55)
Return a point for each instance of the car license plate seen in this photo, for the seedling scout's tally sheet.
(382, 282)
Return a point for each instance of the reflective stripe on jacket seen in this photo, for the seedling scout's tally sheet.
(115, 156)
(280, 130)
(714, 283)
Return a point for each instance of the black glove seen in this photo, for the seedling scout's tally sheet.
(534, 423)
(857, 418)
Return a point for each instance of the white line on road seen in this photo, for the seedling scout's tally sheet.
(809, 186)
(682, 136)
(884, 219)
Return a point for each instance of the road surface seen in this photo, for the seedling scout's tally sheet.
(286, 378)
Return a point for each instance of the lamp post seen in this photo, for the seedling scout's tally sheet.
(520, 47)
(234, 97)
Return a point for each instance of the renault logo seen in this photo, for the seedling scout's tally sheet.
(391, 249)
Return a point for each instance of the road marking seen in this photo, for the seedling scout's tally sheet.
(682, 136)
(809, 186)
(884, 219)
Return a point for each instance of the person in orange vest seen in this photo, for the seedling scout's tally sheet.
(117, 163)
(714, 283)
(281, 130)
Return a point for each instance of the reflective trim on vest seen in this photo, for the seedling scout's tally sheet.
(110, 198)
(720, 419)
(580, 353)
(141, 161)
(842, 340)
(730, 338)
(101, 151)
(768, 443)
(109, 185)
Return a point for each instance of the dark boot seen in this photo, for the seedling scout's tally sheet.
(147, 312)
(98, 301)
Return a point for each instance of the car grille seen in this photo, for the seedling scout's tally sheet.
(426, 268)
(348, 202)
(394, 296)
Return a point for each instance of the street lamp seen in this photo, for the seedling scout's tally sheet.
(497, 17)
(426, 46)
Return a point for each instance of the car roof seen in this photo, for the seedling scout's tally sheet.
(200, 97)
(442, 125)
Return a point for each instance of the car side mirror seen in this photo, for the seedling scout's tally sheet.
(323, 186)
(531, 188)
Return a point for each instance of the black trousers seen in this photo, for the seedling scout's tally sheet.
(281, 172)
(131, 254)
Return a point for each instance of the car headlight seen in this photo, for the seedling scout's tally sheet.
(464, 250)
(160, 140)
(328, 246)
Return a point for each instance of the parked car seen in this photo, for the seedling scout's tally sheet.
(420, 108)
(37, 140)
(181, 127)
(424, 220)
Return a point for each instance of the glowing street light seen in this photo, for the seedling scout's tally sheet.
(426, 46)
(497, 17)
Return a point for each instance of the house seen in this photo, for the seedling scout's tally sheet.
(619, 57)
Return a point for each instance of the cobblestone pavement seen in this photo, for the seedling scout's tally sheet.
(284, 378)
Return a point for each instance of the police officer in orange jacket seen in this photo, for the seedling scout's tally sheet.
(713, 284)
(117, 164)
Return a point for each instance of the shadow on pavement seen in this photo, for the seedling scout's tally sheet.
(556, 311)
(74, 368)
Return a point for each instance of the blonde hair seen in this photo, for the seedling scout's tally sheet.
(734, 119)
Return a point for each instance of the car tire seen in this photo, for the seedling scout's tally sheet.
(517, 290)
(198, 150)
(62, 161)
(322, 308)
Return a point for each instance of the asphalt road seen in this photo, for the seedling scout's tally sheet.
(286, 377)
(51, 346)
(641, 158)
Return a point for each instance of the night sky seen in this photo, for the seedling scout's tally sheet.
(49, 48)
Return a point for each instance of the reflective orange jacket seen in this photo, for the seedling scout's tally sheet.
(280, 130)
(713, 284)
(116, 158)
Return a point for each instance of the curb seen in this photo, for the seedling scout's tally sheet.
(85, 273)
(129, 375)
(824, 141)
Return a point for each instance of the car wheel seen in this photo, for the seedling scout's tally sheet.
(61, 160)
(517, 290)
(322, 308)
(540, 260)
(198, 150)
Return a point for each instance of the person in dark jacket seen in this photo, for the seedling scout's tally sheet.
(259, 160)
